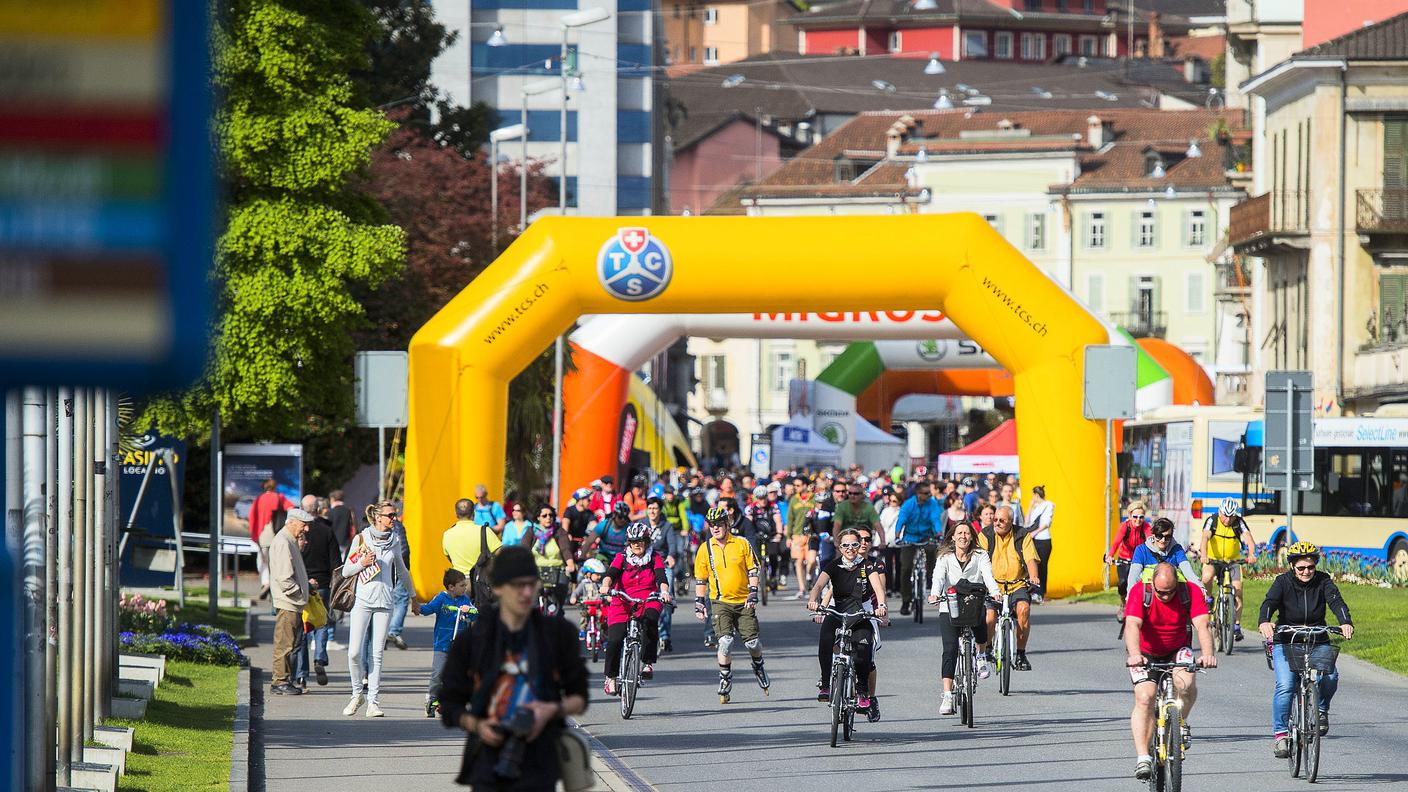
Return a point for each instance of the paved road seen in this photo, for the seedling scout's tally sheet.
(1065, 727)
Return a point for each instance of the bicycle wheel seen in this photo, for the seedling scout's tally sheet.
(1310, 716)
(1228, 623)
(838, 700)
(848, 722)
(1004, 676)
(1216, 627)
(630, 677)
(1173, 748)
(1293, 732)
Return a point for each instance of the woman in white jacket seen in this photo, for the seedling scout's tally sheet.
(375, 556)
(960, 559)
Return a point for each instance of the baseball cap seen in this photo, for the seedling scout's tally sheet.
(607, 480)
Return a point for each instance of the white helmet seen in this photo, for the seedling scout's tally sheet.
(1230, 508)
(594, 567)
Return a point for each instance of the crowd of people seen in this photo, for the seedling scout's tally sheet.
(846, 538)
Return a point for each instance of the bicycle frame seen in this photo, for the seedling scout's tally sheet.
(843, 674)
(1005, 639)
(965, 678)
(628, 674)
(1166, 741)
(1224, 616)
(1303, 725)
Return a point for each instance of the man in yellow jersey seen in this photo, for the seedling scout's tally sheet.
(1013, 559)
(1226, 539)
(726, 583)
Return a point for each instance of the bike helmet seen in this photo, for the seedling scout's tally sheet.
(622, 510)
(594, 567)
(1302, 550)
(760, 492)
(1230, 508)
(637, 532)
(775, 486)
(584, 492)
(718, 514)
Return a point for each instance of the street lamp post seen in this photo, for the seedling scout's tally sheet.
(531, 89)
(503, 134)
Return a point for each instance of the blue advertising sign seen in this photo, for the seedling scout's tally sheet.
(148, 555)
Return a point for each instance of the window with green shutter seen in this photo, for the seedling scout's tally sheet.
(1395, 201)
(1393, 308)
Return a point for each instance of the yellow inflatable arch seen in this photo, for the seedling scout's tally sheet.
(561, 268)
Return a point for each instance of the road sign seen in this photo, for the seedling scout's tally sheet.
(107, 191)
(760, 461)
(1289, 438)
(1110, 382)
(383, 382)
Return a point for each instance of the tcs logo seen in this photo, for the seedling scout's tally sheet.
(633, 265)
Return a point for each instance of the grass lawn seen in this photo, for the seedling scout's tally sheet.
(184, 742)
(1380, 618)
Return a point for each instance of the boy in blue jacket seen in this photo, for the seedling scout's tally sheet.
(453, 612)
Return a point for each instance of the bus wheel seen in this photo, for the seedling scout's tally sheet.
(1398, 559)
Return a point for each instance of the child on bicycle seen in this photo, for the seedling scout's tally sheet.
(588, 590)
(453, 612)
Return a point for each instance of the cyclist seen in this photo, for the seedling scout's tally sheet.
(1160, 616)
(853, 583)
(921, 521)
(856, 510)
(1157, 549)
(608, 539)
(766, 517)
(1132, 533)
(577, 520)
(1299, 597)
(639, 572)
(1226, 537)
(1013, 558)
(960, 559)
(726, 584)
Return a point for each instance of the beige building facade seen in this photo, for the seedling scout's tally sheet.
(723, 31)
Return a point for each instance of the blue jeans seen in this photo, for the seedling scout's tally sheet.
(401, 604)
(1286, 683)
(319, 639)
(667, 615)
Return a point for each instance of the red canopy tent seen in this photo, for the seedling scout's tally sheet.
(994, 452)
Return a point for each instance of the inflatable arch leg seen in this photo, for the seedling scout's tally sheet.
(462, 360)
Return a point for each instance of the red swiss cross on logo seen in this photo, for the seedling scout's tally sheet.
(634, 239)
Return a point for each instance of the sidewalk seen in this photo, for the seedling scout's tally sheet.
(309, 744)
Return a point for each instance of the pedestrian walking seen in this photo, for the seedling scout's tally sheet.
(375, 559)
(289, 585)
(511, 682)
(401, 594)
(1039, 526)
(267, 510)
(344, 523)
(321, 556)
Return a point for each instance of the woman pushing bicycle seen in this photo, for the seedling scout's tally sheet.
(854, 580)
(638, 572)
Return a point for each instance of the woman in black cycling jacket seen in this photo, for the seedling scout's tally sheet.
(1299, 598)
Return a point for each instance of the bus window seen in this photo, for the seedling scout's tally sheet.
(1398, 500)
(1344, 493)
(1376, 487)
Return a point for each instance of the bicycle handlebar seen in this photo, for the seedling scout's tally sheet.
(618, 594)
(1306, 629)
(840, 614)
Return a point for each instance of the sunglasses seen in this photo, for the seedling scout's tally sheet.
(1304, 567)
(865, 540)
(544, 514)
(856, 494)
(850, 545)
(1162, 537)
(1165, 593)
(388, 515)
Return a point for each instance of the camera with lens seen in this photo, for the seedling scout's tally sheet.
(515, 731)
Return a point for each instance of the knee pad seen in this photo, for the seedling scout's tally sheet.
(754, 645)
(725, 645)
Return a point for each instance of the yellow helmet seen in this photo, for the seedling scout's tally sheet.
(1302, 550)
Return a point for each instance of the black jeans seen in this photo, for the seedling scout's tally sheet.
(950, 635)
(616, 638)
(1043, 551)
(862, 640)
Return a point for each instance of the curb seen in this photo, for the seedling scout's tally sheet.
(614, 775)
(239, 749)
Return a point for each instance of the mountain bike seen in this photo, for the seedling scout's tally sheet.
(1166, 743)
(843, 675)
(552, 592)
(1308, 662)
(628, 679)
(1005, 640)
(917, 578)
(1224, 611)
(591, 628)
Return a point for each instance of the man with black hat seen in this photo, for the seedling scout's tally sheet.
(510, 680)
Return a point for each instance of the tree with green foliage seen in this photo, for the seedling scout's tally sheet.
(301, 234)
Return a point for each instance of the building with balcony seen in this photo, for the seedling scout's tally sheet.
(1326, 240)
(1124, 207)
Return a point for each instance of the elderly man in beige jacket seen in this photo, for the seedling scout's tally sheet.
(288, 582)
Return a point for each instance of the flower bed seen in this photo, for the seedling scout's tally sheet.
(1344, 566)
(199, 643)
(139, 614)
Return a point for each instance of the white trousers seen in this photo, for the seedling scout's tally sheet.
(377, 620)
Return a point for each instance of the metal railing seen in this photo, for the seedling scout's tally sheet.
(1279, 212)
(1233, 276)
(1382, 211)
(1142, 324)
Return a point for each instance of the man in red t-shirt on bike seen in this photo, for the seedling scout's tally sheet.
(1159, 621)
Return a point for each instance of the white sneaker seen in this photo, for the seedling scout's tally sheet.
(373, 711)
(946, 706)
(354, 705)
(983, 671)
(782, 582)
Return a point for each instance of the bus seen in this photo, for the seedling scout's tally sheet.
(1182, 460)
(1359, 501)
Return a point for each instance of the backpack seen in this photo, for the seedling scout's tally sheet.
(1019, 535)
(1183, 595)
(480, 591)
(1143, 537)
